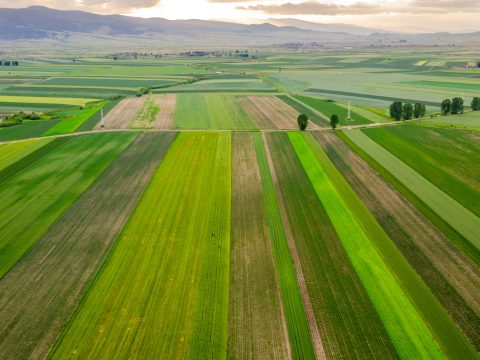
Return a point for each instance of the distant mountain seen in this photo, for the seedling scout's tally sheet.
(335, 28)
(39, 22)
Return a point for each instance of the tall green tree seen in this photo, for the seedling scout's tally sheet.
(334, 120)
(457, 105)
(407, 111)
(396, 110)
(419, 110)
(302, 121)
(446, 106)
(475, 103)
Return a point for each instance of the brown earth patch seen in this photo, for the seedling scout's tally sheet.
(122, 114)
(167, 104)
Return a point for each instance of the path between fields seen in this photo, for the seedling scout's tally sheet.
(307, 302)
(350, 127)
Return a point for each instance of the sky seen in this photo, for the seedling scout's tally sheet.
(392, 15)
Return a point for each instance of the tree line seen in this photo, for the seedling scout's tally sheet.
(407, 111)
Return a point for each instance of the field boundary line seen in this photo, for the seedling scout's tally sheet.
(307, 302)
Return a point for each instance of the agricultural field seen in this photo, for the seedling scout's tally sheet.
(169, 207)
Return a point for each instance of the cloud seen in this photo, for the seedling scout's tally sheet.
(103, 6)
(361, 8)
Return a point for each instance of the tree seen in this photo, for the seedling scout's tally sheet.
(396, 110)
(475, 104)
(302, 121)
(407, 111)
(457, 105)
(419, 110)
(334, 121)
(446, 106)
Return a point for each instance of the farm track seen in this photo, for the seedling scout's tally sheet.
(451, 275)
(163, 291)
(167, 104)
(335, 291)
(257, 327)
(39, 295)
(122, 114)
(37, 196)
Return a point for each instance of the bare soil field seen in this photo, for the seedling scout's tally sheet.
(449, 273)
(281, 115)
(121, 116)
(256, 113)
(167, 104)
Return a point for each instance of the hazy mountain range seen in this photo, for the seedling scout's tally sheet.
(40, 23)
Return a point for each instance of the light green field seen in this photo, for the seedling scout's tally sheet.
(469, 120)
(460, 218)
(45, 100)
(210, 111)
(410, 335)
(146, 116)
(164, 291)
(13, 152)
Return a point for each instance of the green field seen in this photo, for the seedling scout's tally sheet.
(128, 296)
(74, 121)
(461, 219)
(210, 111)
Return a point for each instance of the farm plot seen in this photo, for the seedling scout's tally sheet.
(167, 104)
(407, 331)
(429, 313)
(335, 291)
(44, 100)
(451, 276)
(469, 121)
(226, 85)
(313, 115)
(121, 116)
(164, 290)
(279, 113)
(13, 152)
(461, 219)
(257, 327)
(29, 129)
(255, 113)
(328, 108)
(450, 159)
(101, 82)
(146, 115)
(93, 120)
(71, 124)
(34, 312)
(211, 111)
(34, 198)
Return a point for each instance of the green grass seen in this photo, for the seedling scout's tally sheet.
(71, 124)
(36, 312)
(469, 121)
(210, 111)
(147, 115)
(328, 108)
(26, 156)
(406, 328)
(334, 288)
(458, 217)
(444, 84)
(29, 129)
(35, 197)
(93, 120)
(449, 159)
(106, 81)
(13, 152)
(164, 290)
(298, 330)
(447, 335)
(45, 100)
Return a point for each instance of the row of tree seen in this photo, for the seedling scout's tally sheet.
(454, 106)
(407, 111)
